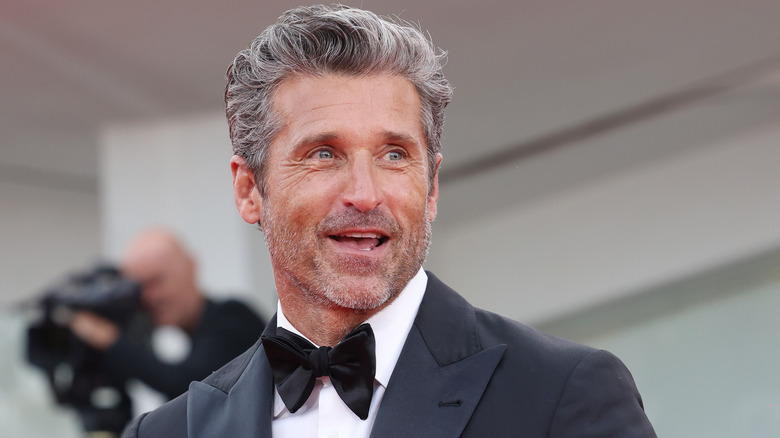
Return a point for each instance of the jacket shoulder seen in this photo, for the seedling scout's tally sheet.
(170, 419)
(167, 421)
(535, 344)
(225, 377)
(445, 315)
(544, 385)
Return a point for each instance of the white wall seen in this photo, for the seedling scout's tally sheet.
(710, 199)
(637, 230)
(703, 351)
(46, 233)
(176, 173)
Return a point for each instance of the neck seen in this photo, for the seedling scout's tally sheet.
(325, 324)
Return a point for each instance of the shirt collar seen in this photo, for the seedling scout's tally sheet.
(391, 326)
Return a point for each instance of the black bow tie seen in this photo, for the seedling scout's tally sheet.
(296, 364)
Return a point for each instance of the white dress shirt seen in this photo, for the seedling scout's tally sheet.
(324, 415)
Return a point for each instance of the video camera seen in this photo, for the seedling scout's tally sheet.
(76, 373)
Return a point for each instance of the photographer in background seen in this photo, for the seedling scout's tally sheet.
(218, 331)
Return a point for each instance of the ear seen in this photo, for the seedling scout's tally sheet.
(245, 191)
(433, 196)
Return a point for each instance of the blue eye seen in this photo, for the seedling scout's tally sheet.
(395, 156)
(324, 154)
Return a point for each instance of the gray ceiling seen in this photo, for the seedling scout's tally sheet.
(523, 70)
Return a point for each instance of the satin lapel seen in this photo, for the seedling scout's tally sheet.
(424, 399)
(243, 412)
(442, 371)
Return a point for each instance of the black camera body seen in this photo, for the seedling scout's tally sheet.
(76, 372)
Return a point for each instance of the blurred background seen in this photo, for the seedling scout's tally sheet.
(611, 174)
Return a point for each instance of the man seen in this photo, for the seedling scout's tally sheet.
(335, 117)
(219, 331)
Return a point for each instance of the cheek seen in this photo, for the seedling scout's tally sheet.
(312, 198)
(411, 187)
(409, 204)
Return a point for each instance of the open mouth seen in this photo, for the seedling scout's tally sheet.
(360, 241)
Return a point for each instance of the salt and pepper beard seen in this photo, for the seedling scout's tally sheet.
(328, 286)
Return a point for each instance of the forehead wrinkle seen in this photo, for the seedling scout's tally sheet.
(387, 136)
(400, 137)
(324, 137)
(309, 117)
(330, 104)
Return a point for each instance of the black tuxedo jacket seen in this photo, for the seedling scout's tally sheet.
(463, 372)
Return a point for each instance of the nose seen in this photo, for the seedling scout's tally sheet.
(362, 190)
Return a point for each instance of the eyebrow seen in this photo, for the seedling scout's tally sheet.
(399, 137)
(326, 137)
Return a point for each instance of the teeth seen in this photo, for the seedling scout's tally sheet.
(360, 241)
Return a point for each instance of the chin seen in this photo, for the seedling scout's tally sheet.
(358, 292)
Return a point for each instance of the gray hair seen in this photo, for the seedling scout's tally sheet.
(317, 40)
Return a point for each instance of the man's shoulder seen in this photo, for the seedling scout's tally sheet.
(225, 377)
(490, 329)
(170, 419)
(555, 387)
(167, 421)
(528, 343)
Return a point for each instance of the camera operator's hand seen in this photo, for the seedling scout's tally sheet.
(98, 332)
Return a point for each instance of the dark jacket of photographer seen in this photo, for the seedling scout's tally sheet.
(226, 330)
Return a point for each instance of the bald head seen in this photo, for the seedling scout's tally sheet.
(154, 246)
(166, 271)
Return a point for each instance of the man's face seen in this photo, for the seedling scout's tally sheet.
(164, 281)
(346, 212)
